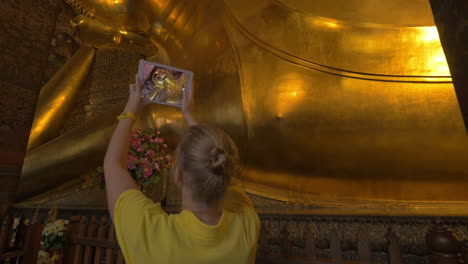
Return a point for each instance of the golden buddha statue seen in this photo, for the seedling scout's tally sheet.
(345, 105)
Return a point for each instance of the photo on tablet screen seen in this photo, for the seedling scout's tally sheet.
(163, 84)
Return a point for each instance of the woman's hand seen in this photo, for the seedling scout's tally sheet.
(187, 100)
(134, 102)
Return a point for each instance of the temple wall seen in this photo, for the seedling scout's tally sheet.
(26, 31)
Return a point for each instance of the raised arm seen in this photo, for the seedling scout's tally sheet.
(187, 101)
(116, 174)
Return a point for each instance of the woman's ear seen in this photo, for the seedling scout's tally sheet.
(178, 177)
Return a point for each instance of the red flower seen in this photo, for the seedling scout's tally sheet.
(130, 162)
(150, 153)
(156, 166)
(146, 170)
(169, 158)
(135, 143)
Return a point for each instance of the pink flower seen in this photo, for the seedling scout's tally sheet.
(156, 166)
(158, 132)
(131, 161)
(144, 161)
(159, 140)
(140, 149)
(150, 153)
(169, 158)
(146, 170)
(165, 145)
(135, 143)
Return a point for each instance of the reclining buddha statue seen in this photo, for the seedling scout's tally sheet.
(344, 106)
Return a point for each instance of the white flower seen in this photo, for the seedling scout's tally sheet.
(43, 257)
(59, 225)
(27, 222)
(43, 254)
(47, 229)
(16, 223)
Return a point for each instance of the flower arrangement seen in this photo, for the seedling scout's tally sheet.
(15, 230)
(43, 257)
(148, 157)
(54, 234)
(16, 223)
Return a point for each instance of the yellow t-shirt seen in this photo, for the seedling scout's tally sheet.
(147, 234)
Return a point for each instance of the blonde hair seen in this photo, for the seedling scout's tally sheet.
(209, 157)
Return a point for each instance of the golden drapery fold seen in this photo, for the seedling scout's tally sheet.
(57, 97)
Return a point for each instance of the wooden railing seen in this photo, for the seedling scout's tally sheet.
(285, 254)
(92, 240)
(26, 240)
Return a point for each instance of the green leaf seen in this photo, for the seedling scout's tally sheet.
(153, 179)
(58, 244)
(138, 172)
(144, 182)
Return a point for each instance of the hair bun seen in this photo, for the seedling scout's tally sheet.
(216, 160)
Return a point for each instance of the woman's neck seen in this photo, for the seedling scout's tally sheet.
(209, 215)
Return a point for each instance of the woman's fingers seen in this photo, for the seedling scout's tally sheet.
(137, 81)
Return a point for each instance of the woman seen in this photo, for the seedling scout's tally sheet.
(217, 224)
